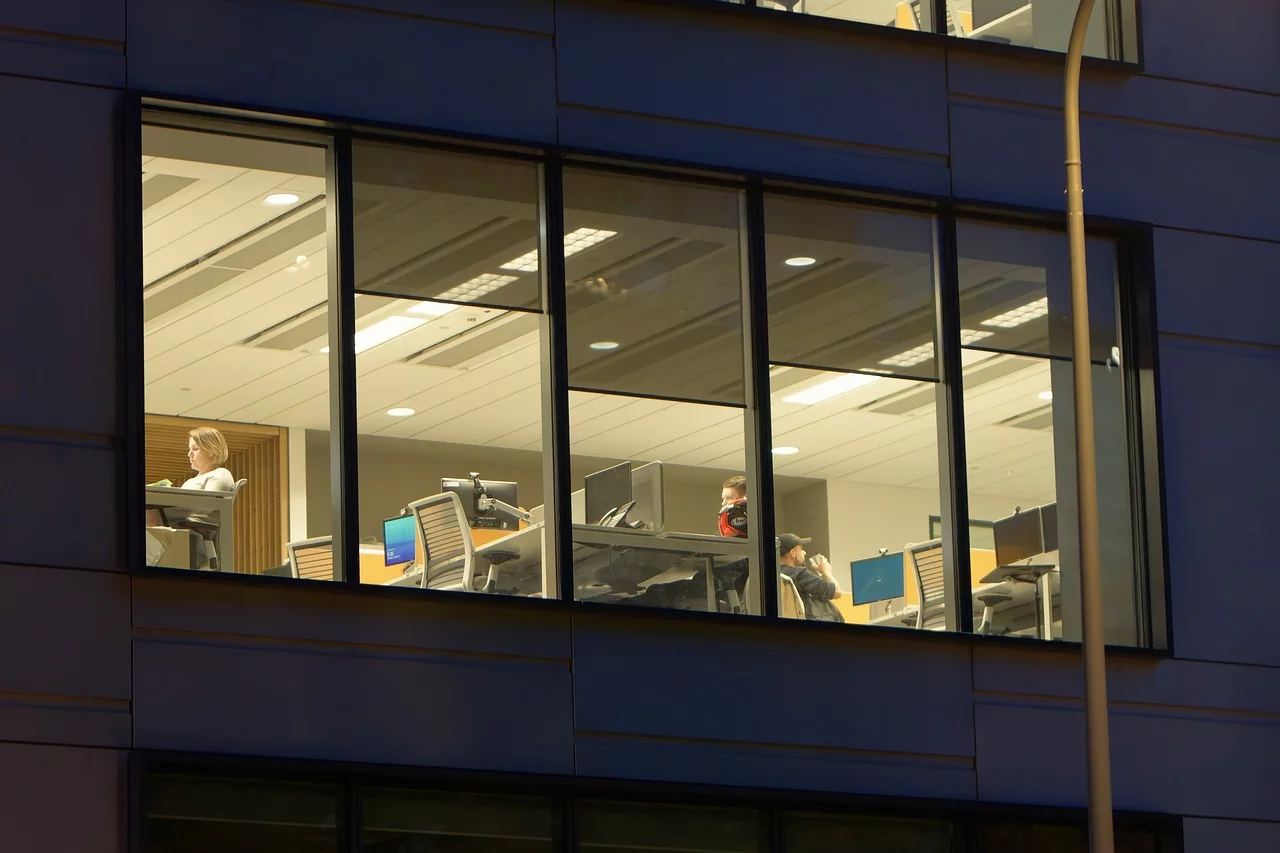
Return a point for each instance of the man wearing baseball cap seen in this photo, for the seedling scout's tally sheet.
(813, 578)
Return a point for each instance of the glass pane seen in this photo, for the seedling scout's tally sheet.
(849, 288)
(235, 291)
(1015, 837)
(856, 474)
(447, 390)
(1015, 291)
(1019, 428)
(454, 227)
(649, 476)
(1044, 24)
(650, 828)
(654, 288)
(855, 454)
(815, 833)
(398, 820)
(903, 14)
(189, 814)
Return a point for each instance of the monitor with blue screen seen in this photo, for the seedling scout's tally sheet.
(399, 538)
(877, 578)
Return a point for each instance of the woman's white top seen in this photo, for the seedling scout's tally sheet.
(217, 480)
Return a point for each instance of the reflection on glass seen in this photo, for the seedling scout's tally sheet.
(449, 388)
(189, 814)
(653, 828)
(816, 833)
(397, 820)
(235, 343)
(653, 287)
(1044, 24)
(915, 15)
(656, 366)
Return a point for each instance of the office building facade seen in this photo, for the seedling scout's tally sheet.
(554, 425)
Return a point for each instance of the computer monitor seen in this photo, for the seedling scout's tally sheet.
(607, 490)
(465, 489)
(399, 537)
(646, 490)
(878, 578)
(1049, 522)
(1019, 536)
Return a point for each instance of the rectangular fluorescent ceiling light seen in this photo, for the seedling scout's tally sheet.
(831, 388)
(574, 242)
(972, 336)
(432, 309)
(1021, 314)
(473, 289)
(383, 331)
(924, 352)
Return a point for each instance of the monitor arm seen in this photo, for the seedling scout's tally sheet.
(486, 504)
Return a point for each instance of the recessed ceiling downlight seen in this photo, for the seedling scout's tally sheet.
(786, 451)
(401, 412)
(604, 346)
(800, 261)
(281, 199)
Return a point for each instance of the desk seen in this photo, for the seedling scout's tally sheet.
(1038, 576)
(181, 504)
(593, 565)
(1021, 596)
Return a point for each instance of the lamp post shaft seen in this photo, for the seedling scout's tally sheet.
(1101, 833)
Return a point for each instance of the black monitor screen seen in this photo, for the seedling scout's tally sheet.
(1018, 537)
(606, 490)
(465, 489)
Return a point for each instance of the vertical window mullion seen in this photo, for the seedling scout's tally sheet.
(351, 828)
(759, 437)
(555, 366)
(343, 446)
(953, 477)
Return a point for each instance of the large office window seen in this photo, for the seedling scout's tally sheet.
(1043, 24)
(404, 820)
(854, 390)
(656, 366)
(449, 344)
(235, 341)
(298, 286)
(184, 813)
(1019, 434)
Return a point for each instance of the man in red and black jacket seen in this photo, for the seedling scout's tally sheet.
(733, 507)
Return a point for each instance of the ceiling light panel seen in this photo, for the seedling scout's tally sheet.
(1020, 315)
(831, 388)
(385, 330)
(483, 284)
(575, 241)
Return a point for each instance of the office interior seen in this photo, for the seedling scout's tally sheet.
(1044, 24)
(451, 343)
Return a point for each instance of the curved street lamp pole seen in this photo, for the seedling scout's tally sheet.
(1101, 838)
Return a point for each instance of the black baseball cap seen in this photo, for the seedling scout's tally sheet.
(787, 541)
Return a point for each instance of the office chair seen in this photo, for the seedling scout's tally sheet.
(211, 531)
(311, 559)
(449, 549)
(790, 604)
(930, 575)
(989, 601)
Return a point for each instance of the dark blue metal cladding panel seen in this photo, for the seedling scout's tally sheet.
(347, 62)
(704, 67)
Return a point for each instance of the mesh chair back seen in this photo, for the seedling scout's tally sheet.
(930, 575)
(447, 537)
(312, 558)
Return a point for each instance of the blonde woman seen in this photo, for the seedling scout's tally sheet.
(207, 451)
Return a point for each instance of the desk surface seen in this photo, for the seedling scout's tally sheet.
(594, 551)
